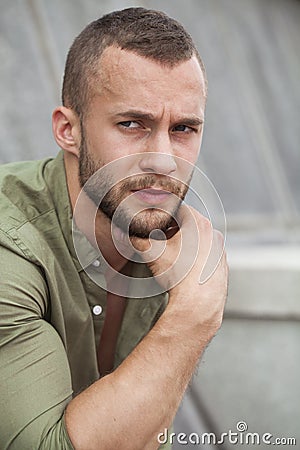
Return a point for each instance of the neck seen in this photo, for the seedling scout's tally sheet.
(99, 228)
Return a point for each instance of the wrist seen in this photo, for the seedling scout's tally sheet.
(194, 319)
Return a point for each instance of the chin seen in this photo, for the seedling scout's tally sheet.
(145, 223)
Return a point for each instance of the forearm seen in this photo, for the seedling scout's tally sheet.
(128, 408)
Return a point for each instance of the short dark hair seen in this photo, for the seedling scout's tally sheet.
(148, 33)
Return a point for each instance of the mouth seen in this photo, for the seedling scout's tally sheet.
(152, 196)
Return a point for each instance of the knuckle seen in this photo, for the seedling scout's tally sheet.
(219, 237)
(204, 222)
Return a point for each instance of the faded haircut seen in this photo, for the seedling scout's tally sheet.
(148, 33)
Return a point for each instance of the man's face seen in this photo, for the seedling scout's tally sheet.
(155, 112)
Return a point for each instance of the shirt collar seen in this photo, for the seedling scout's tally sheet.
(55, 177)
(86, 253)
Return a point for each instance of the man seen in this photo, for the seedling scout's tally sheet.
(82, 367)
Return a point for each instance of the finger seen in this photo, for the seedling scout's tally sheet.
(214, 257)
(149, 249)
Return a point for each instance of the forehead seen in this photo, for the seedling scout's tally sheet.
(126, 77)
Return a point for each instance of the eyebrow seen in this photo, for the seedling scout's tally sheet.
(192, 120)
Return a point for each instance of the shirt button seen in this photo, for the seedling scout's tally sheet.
(96, 263)
(97, 310)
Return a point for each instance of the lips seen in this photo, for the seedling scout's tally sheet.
(152, 196)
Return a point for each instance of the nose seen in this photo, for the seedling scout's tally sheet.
(158, 158)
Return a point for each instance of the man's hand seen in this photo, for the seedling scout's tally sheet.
(178, 262)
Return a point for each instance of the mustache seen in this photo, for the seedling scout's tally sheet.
(146, 181)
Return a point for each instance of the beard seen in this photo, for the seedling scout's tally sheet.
(108, 196)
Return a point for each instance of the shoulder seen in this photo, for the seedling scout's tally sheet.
(22, 189)
(23, 290)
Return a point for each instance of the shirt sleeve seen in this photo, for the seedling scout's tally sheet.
(35, 380)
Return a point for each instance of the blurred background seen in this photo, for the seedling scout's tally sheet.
(251, 153)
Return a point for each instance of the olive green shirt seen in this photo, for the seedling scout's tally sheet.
(51, 312)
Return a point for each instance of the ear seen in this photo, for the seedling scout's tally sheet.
(66, 129)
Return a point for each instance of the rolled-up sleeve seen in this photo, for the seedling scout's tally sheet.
(35, 380)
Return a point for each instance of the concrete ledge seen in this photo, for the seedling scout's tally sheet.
(264, 280)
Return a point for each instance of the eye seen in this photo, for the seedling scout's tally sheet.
(184, 129)
(129, 124)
